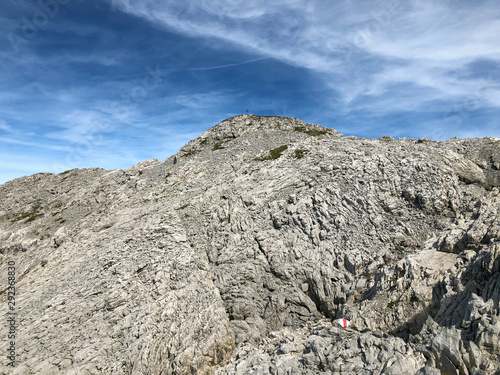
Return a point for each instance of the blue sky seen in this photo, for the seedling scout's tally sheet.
(109, 83)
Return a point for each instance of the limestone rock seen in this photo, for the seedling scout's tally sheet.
(235, 255)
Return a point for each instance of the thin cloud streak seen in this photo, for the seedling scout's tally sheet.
(228, 65)
(7, 128)
(36, 144)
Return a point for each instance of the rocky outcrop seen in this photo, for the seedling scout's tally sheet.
(236, 254)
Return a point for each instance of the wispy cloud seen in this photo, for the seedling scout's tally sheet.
(6, 127)
(81, 126)
(36, 145)
(227, 65)
(421, 42)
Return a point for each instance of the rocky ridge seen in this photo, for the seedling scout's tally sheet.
(235, 255)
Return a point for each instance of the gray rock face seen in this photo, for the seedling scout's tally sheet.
(236, 255)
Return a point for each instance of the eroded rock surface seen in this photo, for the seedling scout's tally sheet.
(235, 255)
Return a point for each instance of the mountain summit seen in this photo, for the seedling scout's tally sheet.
(252, 125)
(243, 252)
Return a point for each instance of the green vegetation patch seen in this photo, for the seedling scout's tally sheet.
(29, 216)
(33, 216)
(386, 139)
(273, 154)
(299, 153)
(391, 304)
(217, 146)
(189, 153)
(313, 132)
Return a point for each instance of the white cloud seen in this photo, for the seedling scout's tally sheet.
(419, 42)
(82, 125)
(491, 95)
(441, 33)
(204, 101)
(6, 127)
(247, 25)
(37, 145)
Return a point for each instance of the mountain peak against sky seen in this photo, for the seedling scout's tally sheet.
(241, 124)
(253, 126)
(109, 83)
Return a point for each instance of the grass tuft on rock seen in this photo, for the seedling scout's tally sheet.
(273, 154)
(313, 132)
(217, 146)
(299, 153)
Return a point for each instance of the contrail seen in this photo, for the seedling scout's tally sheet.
(228, 65)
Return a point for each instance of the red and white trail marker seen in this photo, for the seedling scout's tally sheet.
(343, 322)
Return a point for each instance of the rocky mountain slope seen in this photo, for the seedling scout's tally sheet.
(237, 254)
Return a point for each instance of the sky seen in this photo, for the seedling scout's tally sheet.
(109, 83)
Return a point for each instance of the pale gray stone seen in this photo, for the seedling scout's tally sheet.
(235, 255)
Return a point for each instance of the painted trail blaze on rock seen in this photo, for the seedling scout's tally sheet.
(343, 322)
